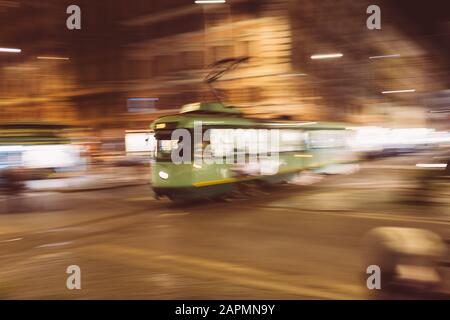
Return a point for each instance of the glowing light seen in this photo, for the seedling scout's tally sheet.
(163, 175)
(209, 1)
(399, 91)
(140, 142)
(432, 165)
(12, 50)
(327, 56)
(143, 99)
(51, 156)
(385, 56)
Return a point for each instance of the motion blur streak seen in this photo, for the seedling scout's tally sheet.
(245, 149)
(10, 50)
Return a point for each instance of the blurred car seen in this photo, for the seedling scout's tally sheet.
(434, 176)
(11, 181)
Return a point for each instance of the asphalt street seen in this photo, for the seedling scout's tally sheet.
(291, 242)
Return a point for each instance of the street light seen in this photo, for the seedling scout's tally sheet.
(386, 56)
(10, 50)
(209, 1)
(52, 58)
(398, 91)
(327, 56)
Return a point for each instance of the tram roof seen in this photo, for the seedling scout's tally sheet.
(217, 115)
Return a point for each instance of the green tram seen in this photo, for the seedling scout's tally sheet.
(300, 146)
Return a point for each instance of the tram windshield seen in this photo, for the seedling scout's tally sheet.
(164, 148)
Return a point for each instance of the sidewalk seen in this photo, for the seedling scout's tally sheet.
(47, 195)
(101, 179)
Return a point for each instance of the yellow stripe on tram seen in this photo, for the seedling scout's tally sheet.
(214, 182)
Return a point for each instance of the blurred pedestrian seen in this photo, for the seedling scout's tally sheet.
(12, 185)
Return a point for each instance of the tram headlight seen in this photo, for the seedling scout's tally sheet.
(163, 175)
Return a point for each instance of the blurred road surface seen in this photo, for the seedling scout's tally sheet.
(296, 242)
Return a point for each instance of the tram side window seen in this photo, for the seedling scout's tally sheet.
(322, 139)
(226, 143)
(10, 159)
(222, 143)
(292, 140)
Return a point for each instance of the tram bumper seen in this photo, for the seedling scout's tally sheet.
(192, 193)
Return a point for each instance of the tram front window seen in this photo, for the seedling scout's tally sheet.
(164, 148)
